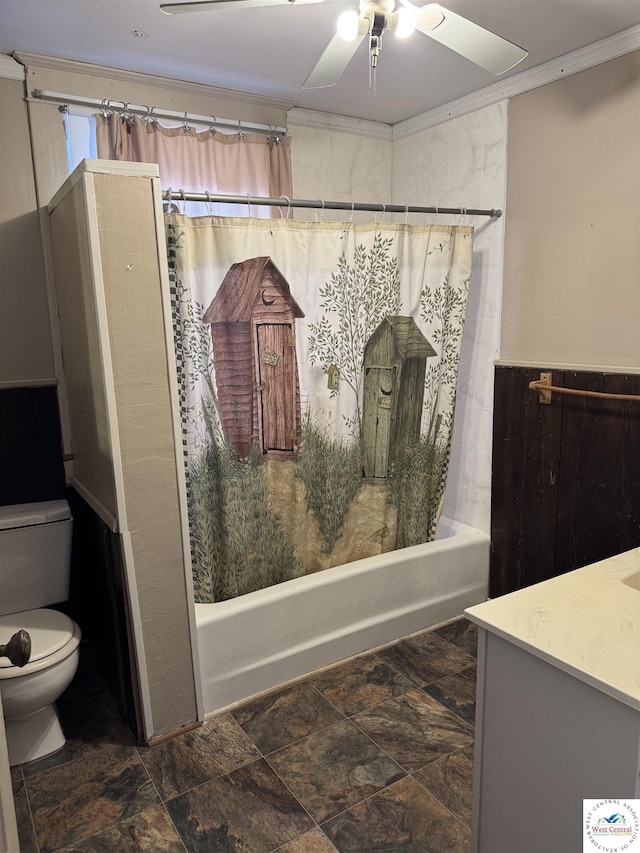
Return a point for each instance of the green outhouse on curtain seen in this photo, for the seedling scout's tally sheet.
(395, 362)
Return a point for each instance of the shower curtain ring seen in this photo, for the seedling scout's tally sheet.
(288, 200)
(126, 114)
(207, 195)
(353, 207)
(167, 195)
(249, 203)
(406, 214)
(321, 203)
(276, 136)
(212, 128)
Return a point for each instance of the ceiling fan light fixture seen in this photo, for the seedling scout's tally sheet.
(348, 25)
(484, 48)
(405, 22)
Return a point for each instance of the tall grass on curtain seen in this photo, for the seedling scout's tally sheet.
(317, 365)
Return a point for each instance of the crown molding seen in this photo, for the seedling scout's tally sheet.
(339, 123)
(601, 51)
(88, 69)
(10, 69)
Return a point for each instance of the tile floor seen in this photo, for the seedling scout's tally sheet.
(372, 755)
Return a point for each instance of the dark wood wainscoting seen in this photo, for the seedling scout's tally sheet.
(566, 476)
(99, 604)
(31, 467)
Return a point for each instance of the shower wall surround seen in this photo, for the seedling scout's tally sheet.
(460, 162)
(341, 166)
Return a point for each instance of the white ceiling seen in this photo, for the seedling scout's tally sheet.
(270, 51)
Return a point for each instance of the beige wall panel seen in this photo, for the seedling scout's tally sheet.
(50, 165)
(25, 338)
(130, 269)
(572, 270)
(81, 349)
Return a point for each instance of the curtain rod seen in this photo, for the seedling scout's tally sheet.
(151, 113)
(319, 204)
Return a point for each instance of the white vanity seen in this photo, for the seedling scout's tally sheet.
(558, 706)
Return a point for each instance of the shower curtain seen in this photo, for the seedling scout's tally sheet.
(317, 366)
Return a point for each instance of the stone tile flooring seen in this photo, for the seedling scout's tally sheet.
(372, 755)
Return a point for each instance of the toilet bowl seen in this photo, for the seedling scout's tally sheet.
(29, 692)
(35, 564)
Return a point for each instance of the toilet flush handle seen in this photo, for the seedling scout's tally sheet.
(18, 649)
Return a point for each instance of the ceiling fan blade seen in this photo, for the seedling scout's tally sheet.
(488, 50)
(208, 5)
(337, 55)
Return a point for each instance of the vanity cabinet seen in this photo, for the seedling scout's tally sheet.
(558, 706)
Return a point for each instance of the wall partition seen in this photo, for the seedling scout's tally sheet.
(112, 293)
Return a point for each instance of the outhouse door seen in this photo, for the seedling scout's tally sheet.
(276, 372)
(379, 388)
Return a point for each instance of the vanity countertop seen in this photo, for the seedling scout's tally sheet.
(585, 622)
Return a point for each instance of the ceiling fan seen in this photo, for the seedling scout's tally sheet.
(483, 47)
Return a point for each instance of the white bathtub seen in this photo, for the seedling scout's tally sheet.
(257, 641)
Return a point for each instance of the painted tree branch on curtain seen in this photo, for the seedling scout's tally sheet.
(194, 356)
(444, 307)
(359, 296)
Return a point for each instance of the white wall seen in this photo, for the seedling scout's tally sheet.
(462, 163)
(337, 159)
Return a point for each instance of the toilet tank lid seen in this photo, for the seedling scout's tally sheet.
(29, 515)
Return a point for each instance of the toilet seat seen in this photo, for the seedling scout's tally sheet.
(53, 638)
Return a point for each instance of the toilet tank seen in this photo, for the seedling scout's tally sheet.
(35, 555)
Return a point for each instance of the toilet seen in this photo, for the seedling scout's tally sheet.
(35, 561)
